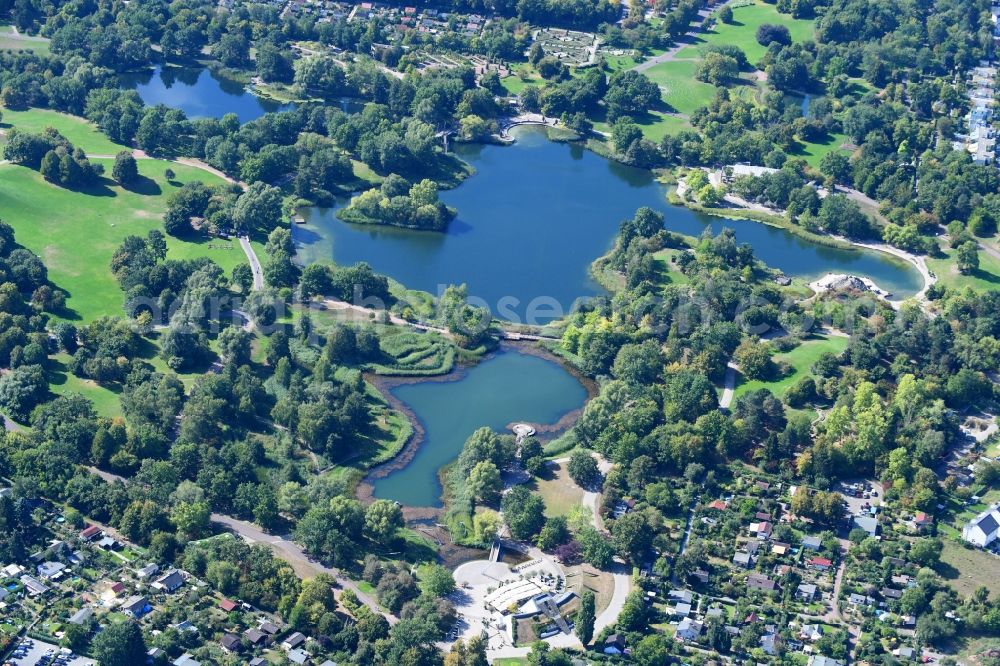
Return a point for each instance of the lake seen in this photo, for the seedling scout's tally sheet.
(533, 218)
(200, 93)
(507, 387)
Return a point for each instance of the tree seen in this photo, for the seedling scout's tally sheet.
(967, 257)
(524, 512)
(485, 482)
(383, 518)
(126, 170)
(726, 14)
(926, 552)
(119, 645)
(769, 32)
(554, 534)
(437, 581)
(583, 468)
(632, 536)
(754, 359)
(485, 525)
(585, 618)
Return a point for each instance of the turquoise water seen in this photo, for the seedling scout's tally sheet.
(533, 218)
(506, 388)
(200, 93)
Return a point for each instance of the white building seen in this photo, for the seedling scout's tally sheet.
(982, 530)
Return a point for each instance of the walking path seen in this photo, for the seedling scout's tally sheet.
(291, 552)
(688, 38)
(258, 274)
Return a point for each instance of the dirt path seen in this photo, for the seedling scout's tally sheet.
(729, 387)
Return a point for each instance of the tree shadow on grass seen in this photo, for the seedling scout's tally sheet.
(144, 185)
(98, 189)
(985, 276)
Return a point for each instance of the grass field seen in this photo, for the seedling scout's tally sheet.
(10, 42)
(801, 359)
(560, 493)
(742, 32)
(966, 569)
(80, 133)
(681, 90)
(655, 125)
(812, 153)
(985, 278)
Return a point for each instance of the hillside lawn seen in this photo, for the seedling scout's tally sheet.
(966, 569)
(800, 359)
(81, 133)
(742, 32)
(76, 232)
(814, 152)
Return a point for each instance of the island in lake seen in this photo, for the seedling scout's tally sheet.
(397, 203)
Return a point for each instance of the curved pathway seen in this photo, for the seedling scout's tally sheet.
(729, 387)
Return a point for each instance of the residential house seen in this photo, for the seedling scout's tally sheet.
(819, 563)
(771, 643)
(11, 571)
(147, 571)
(256, 637)
(81, 615)
(681, 610)
(681, 596)
(718, 505)
(51, 570)
(700, 575)
(231, 644)
(904, 652)
(742, 559)
(90, 533)
(756, 581)
(614, 644)
(259, 661)
(688, 629)
(34, 586)
(762, 529)
(298, 656)
(983, 529)
(891, 593)
(135, 606)
(812, 542)
(779, 548)
(806, 592)
(109, 543)
(867, 523)
(169, 582)
(820, 660)
(860, 600)
(293, 641)
(186, 660)
(921, 521)
(228, 605)
(811, 632)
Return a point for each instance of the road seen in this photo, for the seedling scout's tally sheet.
(622, 575)
(302, 564)
(728, 387)
(258, 273)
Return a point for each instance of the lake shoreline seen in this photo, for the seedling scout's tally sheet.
(365, 490)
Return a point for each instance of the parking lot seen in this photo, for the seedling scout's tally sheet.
(31, 652)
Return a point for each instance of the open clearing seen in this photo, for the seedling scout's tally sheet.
(987, 277)
(966, 569)
(561, 494)
(800, 359)
(75, 232)
(742, 32)
(79, 132)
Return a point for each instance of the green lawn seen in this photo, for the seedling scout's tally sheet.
(812, 153)
(680, 89)
(800, 359)
(985, 278)
(655, 125)
(8, 41)
(742, 32)
(80, 132)
(76, 232)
